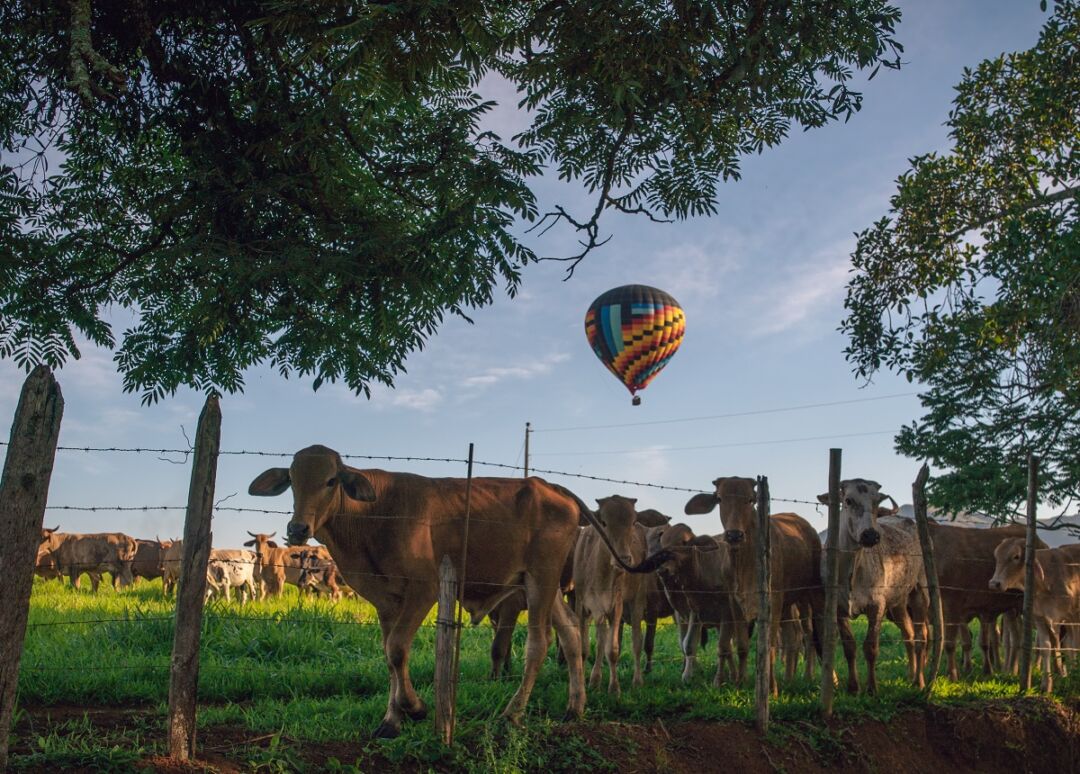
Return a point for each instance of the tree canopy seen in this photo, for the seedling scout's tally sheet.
(312, 185)
(971, 284)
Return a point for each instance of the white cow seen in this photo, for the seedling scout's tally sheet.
(231, 569)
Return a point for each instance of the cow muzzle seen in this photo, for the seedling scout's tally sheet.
(297, 533)
(733, 537)
(869, 538)
(995, 585)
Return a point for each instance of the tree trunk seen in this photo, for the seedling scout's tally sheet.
(24, 490)
(191, 594)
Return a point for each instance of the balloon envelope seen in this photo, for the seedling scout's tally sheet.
(635, 330)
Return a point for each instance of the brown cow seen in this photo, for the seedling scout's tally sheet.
(1056, 600)
(45, 565)
(172, 557)
(96, 553)
(965, 565)
(148, 555)
(602, 589)
(795, 555)
(274, 566)
(697, 573)
(318, 575)
(388, 533)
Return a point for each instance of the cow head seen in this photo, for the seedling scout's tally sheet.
(860, 501)
(321, 485)
(672, 548)
(617, 516)
(736, 498)
(1009, 565)
(260, 541)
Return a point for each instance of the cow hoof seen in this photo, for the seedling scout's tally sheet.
(417, 714)
(571, 716)
(386, 731)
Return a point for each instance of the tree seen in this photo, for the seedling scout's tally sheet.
(971, 284)
(311, 184)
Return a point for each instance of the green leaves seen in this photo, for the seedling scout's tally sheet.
(970, 284)
(315, 186)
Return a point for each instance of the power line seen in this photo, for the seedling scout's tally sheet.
(666, 449)
(756, 412)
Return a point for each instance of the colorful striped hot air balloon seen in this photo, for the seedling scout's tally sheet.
(635, 330)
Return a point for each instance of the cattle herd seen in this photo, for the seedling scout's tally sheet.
(535, 547)
(254, 574)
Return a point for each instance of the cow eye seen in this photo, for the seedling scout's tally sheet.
(331, 482)
(849, 501)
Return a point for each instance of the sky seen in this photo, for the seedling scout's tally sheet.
(762, 286)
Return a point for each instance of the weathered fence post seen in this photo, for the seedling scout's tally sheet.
(24, 490)
(445, 670)
(190, 595)
(1029, 575)
(763, 662)
(828, 620)
(937, 623)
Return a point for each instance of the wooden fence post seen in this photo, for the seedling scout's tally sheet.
(190, 595)
(763, 662)
(937, 623)
(24, 489)
(828, 620)
(1029, 575)
(445, 670)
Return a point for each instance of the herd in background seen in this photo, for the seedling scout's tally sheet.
(536, 547)
(256, 574)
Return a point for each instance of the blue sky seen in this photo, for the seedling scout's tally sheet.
(762, 286)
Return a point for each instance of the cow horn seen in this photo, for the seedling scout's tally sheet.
(271, 534)
(895, 509)
(253, 534)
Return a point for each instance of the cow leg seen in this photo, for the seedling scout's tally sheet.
(725, 660)
(501, 641)
(899, 615)
(774, 641)
(809, 650)
(570, 643)
(635, 646)
(871, 646)
(398, 635)
(847, 642)
(690, 645)
(742, 647)
(95, 581)
(952, 633)
(988, 644)
(650, 642)
(1044, 642)
(966, 645)
(540, 597)
(611, 647)
(599, 651)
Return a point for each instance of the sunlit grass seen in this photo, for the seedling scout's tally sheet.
(309, 669)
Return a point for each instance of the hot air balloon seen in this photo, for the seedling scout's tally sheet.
(635, 330)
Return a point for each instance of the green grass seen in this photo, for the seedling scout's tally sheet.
(312, 671)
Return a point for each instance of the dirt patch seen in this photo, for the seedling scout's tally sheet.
(1003, 737)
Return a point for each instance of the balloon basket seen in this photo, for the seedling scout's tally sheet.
(636, 401)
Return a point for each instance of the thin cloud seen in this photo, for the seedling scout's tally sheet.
(808, 290)
(492, 376)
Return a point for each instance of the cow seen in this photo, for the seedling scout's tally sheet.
(603, 590)
(230, 569)
(148, 555)
(45, 565)
(965, 565)
(171, 561)
(795, 555)
(698, 577)
(318, 575)
(94, 554)
(1056, 595)
(388, 533)
(881, 573)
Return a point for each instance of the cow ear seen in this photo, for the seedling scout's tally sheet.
(705, 543)
(250, 543)
(356, 486)
(270, 543)
(270, 483)
(700, 503)
(823, 498)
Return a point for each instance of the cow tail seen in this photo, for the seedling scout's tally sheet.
(587, 518)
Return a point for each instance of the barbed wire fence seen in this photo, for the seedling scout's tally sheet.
(183, 455)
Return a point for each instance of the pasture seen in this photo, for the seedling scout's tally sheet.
(296, 683)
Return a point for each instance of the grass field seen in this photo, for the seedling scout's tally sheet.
(309, 671)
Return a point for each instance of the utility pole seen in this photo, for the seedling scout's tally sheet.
(528, 430)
